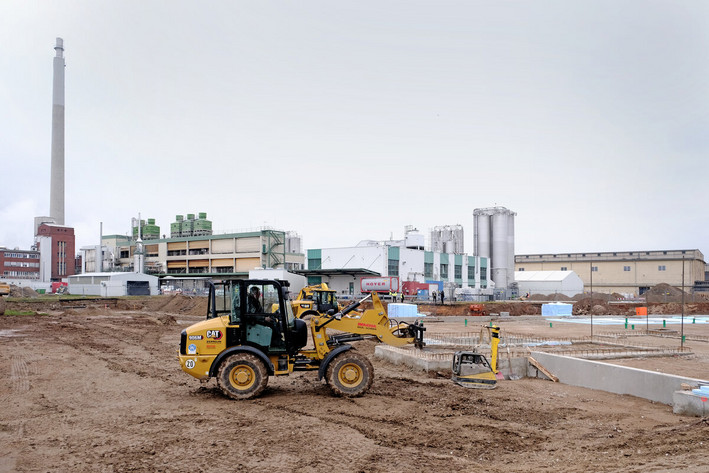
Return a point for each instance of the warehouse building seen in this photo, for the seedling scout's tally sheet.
(629, 273)
(113, 284)
(567, 283)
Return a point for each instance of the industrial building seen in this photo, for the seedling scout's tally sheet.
(489, 273)
(197, 252)
(56, 244)
(629, 273)
(344, 268)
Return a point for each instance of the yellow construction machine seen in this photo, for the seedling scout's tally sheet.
(4, 289)
(317, 299)
(472, 370)
(242, 345)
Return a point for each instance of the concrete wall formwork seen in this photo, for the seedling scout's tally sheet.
(658, 387)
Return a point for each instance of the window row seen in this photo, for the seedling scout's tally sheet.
(595, 268)
(22, 255)
(22, 274)
(20, 264)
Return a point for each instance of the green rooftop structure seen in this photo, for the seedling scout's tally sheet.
(148, 231)
(191, 226)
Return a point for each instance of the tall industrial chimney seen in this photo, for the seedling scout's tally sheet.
(56, 190)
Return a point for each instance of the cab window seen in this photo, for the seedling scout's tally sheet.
(235, 317)
(262, 299)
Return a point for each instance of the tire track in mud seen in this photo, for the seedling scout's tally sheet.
(19, 374)
(375, 437)
(108, 342)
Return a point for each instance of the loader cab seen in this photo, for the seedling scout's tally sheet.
(260, 315)
(325, 300)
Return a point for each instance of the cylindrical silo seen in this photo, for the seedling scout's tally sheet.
(499, 222)
(510, 248)
(482, 245)
(458, 239)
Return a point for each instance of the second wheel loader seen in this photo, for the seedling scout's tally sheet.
(315, 300)
(251, 334)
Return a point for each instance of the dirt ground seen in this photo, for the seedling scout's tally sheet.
(97, 387)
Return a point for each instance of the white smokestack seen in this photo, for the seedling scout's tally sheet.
(56, 190)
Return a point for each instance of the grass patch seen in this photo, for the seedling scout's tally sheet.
(23, 312)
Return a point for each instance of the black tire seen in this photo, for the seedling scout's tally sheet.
(307, 315)
(242, 376)
(350, 374)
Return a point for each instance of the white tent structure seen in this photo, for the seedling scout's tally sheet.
(567, 283)
(113, 284)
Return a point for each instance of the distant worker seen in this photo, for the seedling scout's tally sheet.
(433, 293)
(443, 295)
(402, 297)
(254, 302)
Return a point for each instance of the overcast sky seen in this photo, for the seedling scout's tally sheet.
(345, 121)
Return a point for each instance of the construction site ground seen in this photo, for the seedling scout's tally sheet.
(94, 385)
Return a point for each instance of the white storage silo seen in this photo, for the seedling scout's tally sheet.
(510, 248)
(499, 248)
(482, 234)
(494, 239)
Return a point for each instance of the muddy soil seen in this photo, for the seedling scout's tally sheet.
(100, 389)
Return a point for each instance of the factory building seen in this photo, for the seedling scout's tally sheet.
(344, 268)
(629, 273)
(56, 244)
(220, 256)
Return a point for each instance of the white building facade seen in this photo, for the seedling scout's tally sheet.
(393, 258)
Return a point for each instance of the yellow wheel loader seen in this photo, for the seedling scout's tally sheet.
(315, 300)
(241, 344)
(472, 370)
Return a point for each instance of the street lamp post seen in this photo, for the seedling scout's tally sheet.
(591, 300)
(682, 342)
